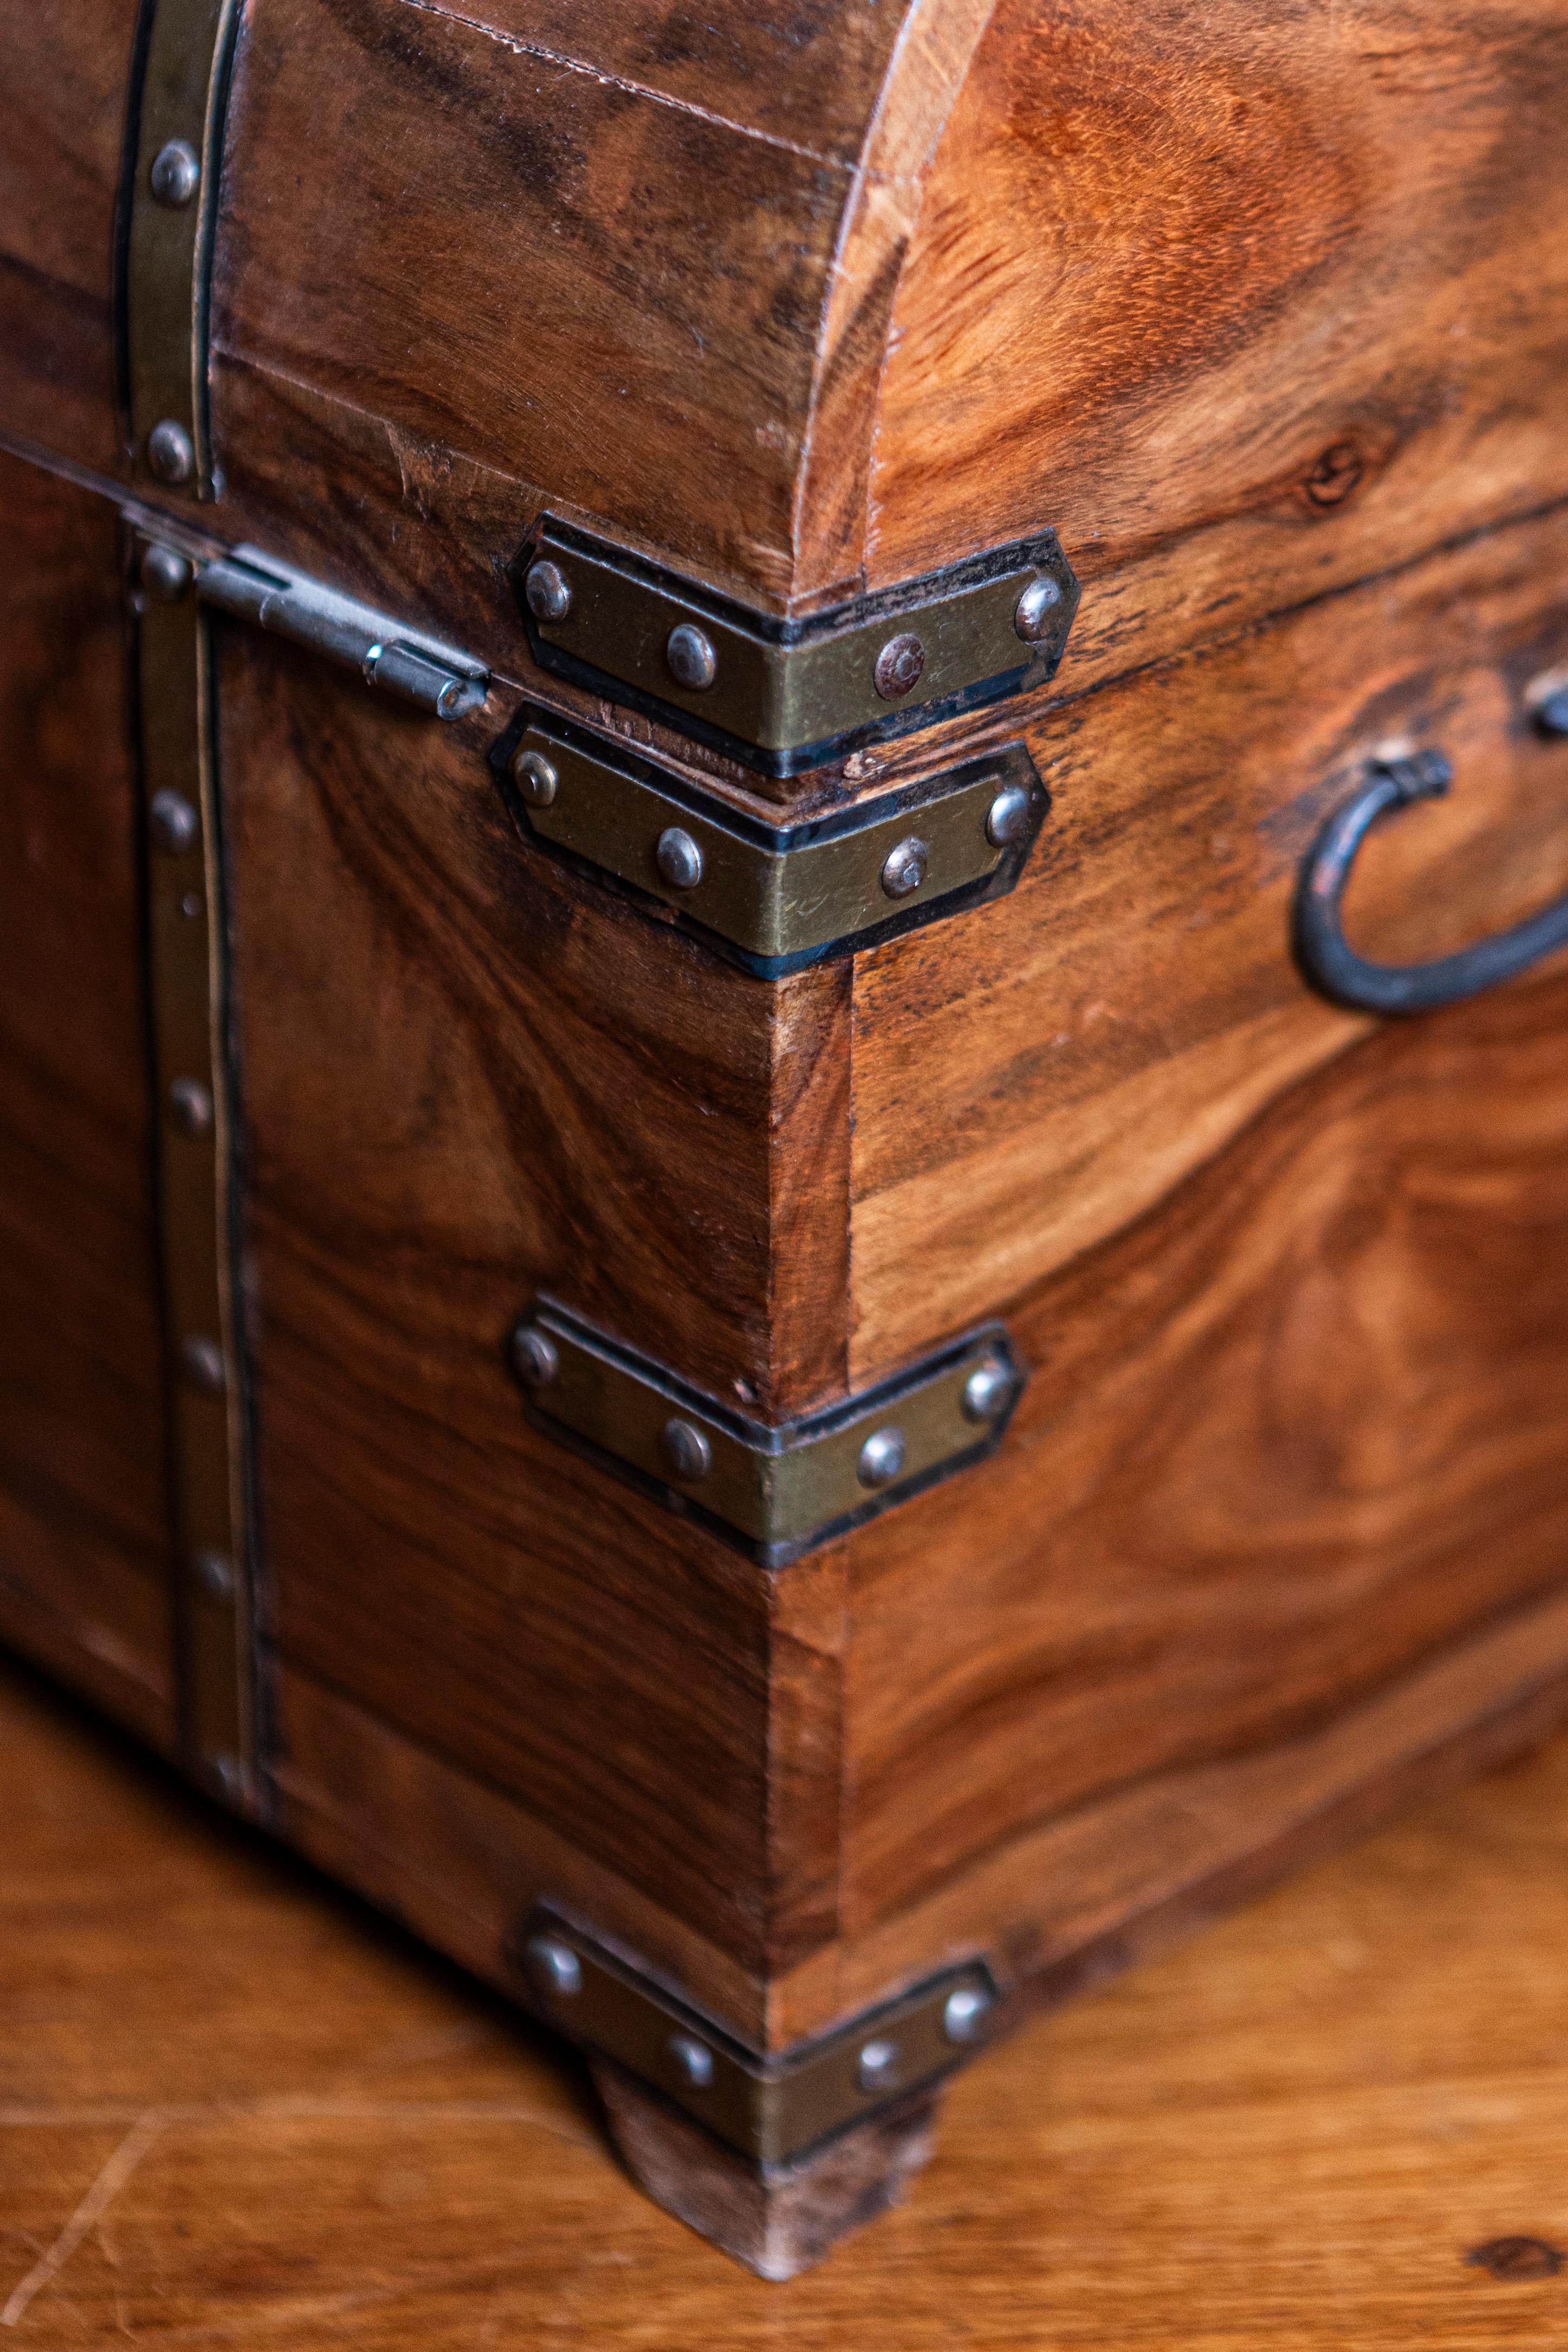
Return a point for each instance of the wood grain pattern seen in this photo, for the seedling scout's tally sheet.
(1283, 283)
(467, 1075)
(1296, 1431)
(64, 72)
(585, 275)
(1295, 2129)
(1033, 1075)
(84, 1559)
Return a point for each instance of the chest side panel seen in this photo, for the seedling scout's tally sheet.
(467, 1077)
(1295, 1436)
(1031, 1078)
(84, 1546)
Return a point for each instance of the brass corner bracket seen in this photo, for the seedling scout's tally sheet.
(781, 696)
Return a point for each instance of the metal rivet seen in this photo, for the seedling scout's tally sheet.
(215, 1574)
(171, 452)
(191, 905)
(176, 173)
(202, 1362)
(166, 573)
(554, 1964)
(191, 1106)
(1551, 715)
(534, 1357)
(1007, 818)
(548, 592)
(678, 858)
(687, 1452)
(882, 1458)
(1035, 615)
(174, 822)
(906, 869)
(535, 778)
(230, 1774)
(877, 2068)
(693, 2058)
(987, 1390)
(900, 665)
(692, 661)
(962, 2011)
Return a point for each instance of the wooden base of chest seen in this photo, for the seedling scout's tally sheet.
(1274, 1537)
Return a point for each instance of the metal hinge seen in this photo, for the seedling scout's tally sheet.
(409, 662)
(777, 1489)
(785, 695)
(773, 2110)
(774, 899)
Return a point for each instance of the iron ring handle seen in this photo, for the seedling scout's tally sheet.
(1333, 966)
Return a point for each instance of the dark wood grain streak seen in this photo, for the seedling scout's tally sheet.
(84, 1560)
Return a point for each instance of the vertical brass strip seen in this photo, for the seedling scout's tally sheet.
(187, 929)
(173, 208)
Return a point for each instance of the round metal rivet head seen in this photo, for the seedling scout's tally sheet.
(1552, 714)
(900, 665)
(215, 1574)
(172, 821)
(535, 778)
(171, 452)
(882, 1458)
(1007, 818)
(878, 2068)
(693, 2059)
(687, 1452)
(555, 1965)
(906, 869)
(693, 662)
(1035, 615)
(963, 2011)
(202, 1362)
(191, 905)
(987, 1390)
(176, 173)
(678, 858)
(166, 573)
(191, 1106)
(548, 591)
(534, 1357)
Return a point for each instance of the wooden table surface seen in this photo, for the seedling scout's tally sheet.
(239, 2109)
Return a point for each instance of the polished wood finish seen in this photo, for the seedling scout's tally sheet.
(239, 2105)
(84, 1545)
(467, 1076)
(1031, 1079)
(64, 74)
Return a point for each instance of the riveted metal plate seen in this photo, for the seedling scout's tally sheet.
(168, 255)
(195, 1129)
(774, 2111)
(786, 695)
(776, 1489)
(774, 899)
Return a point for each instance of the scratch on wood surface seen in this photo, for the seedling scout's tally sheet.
(111, 2181)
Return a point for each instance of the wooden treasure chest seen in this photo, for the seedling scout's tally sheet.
(783, 1127)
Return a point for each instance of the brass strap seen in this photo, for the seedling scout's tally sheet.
(173, 210)
(196, 1129)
